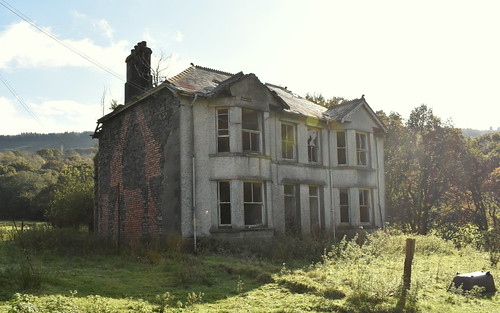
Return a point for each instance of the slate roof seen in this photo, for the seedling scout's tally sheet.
(342, 111)
(198, 79)
(209, 82)
(298, 104)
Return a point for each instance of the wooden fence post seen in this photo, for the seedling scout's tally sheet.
(410, 251)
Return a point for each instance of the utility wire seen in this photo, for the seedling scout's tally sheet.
(23, 104)
(67, 46)
(49, 34)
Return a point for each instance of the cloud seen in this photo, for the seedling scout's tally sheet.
(29, 48)
(178, 36)
(148, 37)
(103, 26)
(53, 116)
(78, 15)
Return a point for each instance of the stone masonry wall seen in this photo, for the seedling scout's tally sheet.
(131, 176)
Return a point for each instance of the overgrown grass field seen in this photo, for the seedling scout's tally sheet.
(60, 270)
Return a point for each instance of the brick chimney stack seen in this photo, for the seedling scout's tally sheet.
(138, 71)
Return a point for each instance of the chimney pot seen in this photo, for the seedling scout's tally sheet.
(139, 77)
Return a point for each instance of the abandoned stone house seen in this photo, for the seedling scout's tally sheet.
(212, 154)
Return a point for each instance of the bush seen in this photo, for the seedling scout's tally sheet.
(278, 250)
(62, 241)
(461, 235)
(72, 196)
(492, 238)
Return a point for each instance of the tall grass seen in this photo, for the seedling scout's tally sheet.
(368, 277)
(150, 275)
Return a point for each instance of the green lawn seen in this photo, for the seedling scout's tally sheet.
(349, 279)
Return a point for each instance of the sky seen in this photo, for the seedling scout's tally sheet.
(63, 62)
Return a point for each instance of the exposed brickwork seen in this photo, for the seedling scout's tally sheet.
(134, 202)
(131, 170)
(116, 160)
(152, 166)
(102, 216)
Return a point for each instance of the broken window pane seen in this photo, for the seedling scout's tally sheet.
(313, 145)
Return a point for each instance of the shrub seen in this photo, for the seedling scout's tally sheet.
(62, 241)
(165, 301)
(98, 304)
(493, 245)
(461, 235)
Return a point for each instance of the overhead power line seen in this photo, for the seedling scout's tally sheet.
(23, 104)
(64, 44)
(26, 106)
(52, 36)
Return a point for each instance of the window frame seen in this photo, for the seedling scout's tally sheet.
(342, 149)
(286, 142)
(317, 209)
(253, 202)
(344, 209)
(364, 205)
(222, 130)
(293, 198)
(252, 133)
(362, 149)
(219, 202)
(316, 149)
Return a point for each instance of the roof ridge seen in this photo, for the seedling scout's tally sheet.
(213, 70)
(276, 86)
(347, 102)
(285, 89)
(181, 74)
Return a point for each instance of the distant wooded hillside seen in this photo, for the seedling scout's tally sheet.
(469, 132)
(32, 142)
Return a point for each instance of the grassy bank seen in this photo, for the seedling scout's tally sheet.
(74, 272)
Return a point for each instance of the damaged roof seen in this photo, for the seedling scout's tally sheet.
(198, 79)
(298, 104)
(343, 110)
(209, 82)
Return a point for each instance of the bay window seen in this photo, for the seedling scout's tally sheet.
(252, 203)
(251, 130)
(364, 205)
(288, 141)
(222, 130)
(362, 149)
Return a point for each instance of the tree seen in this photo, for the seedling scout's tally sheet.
(422, 158)
(481, 167)
(113, 104)
(18, 194)
(50, 154)
(158, 70)
(72, 197)
(320, 99)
